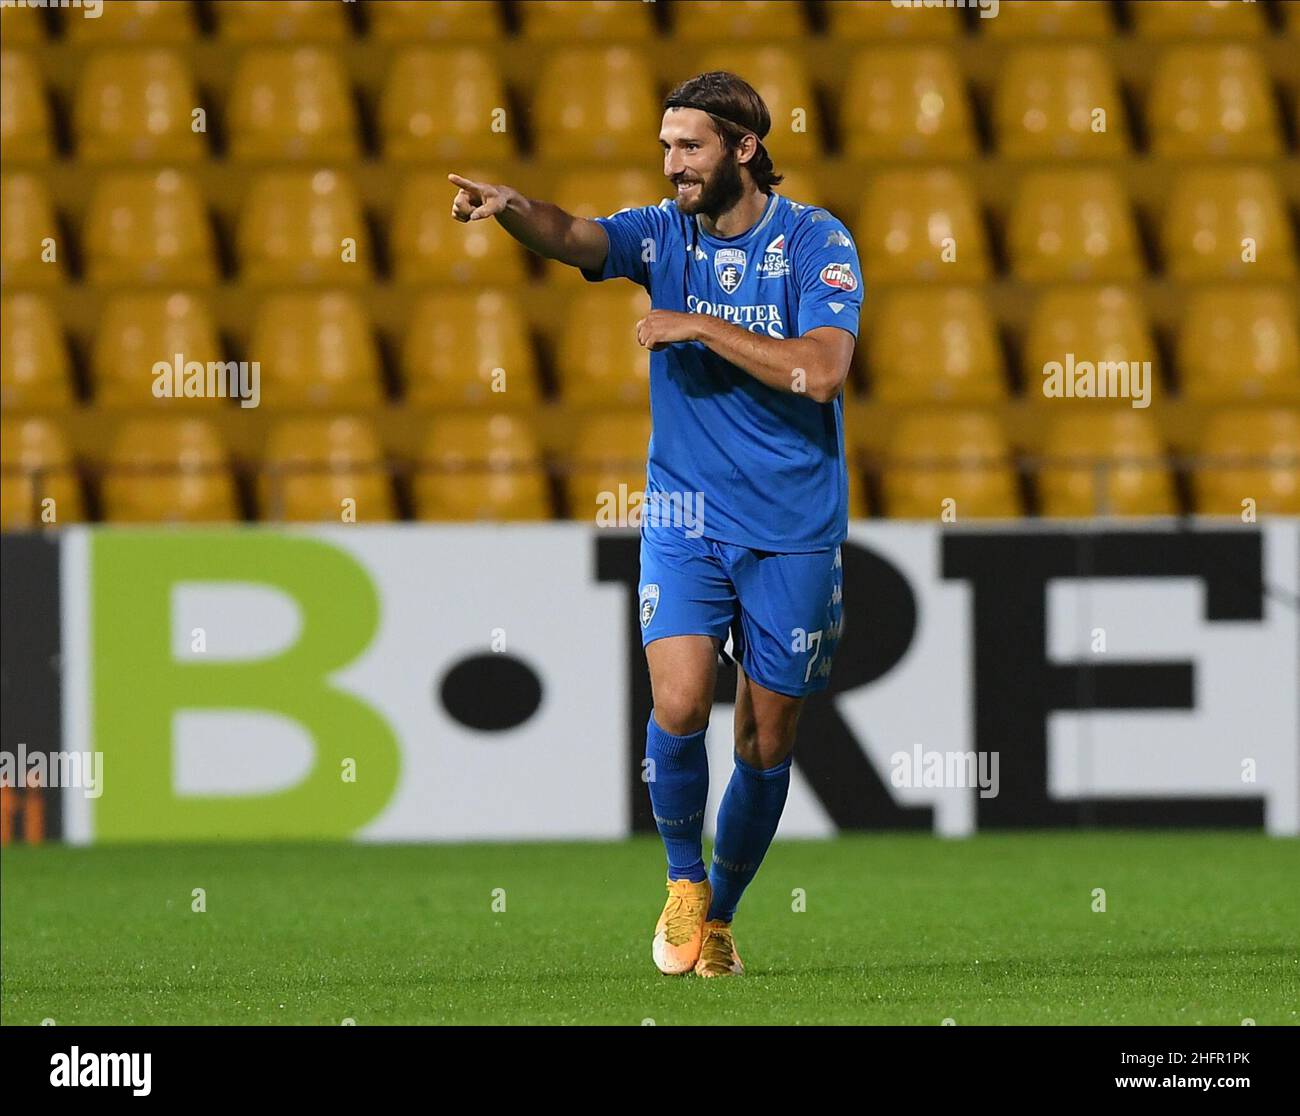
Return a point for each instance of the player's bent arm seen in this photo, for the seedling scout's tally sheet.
(539, 226)
(815, 365)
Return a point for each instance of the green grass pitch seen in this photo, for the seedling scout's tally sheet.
(1199, 928)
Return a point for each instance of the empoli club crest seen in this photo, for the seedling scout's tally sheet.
(649, 602)
(729, 267)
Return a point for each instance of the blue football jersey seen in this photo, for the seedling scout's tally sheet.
(768, 464)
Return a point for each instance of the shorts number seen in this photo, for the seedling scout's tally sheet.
(815, 646)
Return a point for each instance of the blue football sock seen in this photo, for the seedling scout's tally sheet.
(679, 791)
(747, 820)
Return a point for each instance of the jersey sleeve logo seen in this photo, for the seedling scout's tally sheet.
(840, 276)
(729, 267)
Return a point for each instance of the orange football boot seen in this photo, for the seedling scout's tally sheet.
(718, 956)
(680, 929)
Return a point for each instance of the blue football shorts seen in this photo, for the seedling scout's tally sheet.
(783, 612)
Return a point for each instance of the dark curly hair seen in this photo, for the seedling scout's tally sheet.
(736, 110)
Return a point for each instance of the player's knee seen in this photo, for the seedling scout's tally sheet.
(681, 712)
(765, 746)
(746, 733)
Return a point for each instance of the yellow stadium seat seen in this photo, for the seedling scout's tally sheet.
(445, 104)
(477, 467)
(22, 26)
(935, 346)
(609, 113)
(1104, 463)
(1227, 224)
(1249, 461)
(798, 186)
(875, 20)
(34, 368)
(168, 471)
(134, 21)
(605, 470)
(601, 193)
(292, 103)
(38, 478)
(469, 349)
(1033, 19)
(326, 469)
(597, 20)
(860, 439)
(149, 228)
(859, 505)
(255, 21)
(305, 227)
(138, 331)
(137, 104)
(936, 457)
(1095, 324)
(447, 21)
(1291, 17)
(781, 79)
(1239, 344)
(24, 112)
(429, 247)
(315, 350)
(1212, 100)
(921, 225)
(1073, 225)
(749, 20)
(599, 360)
(1212, 19)
(31, 246)
(906, 103)
(1059, 102)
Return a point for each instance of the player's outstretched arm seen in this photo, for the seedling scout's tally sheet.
(539, 226)
(815, 365)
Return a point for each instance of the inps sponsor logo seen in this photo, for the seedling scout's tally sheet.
(840, 276)
(774, 264)
(729, 267)
(649, 602)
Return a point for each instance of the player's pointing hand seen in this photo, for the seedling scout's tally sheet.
(662, 327)
(475, 200)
